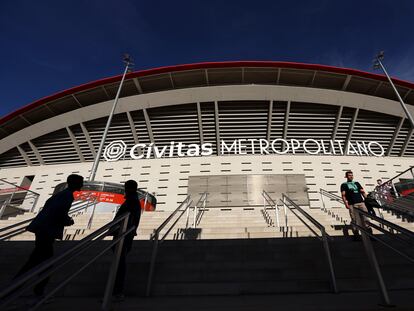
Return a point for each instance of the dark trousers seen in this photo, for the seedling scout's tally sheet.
(43, 251)
(120, 274)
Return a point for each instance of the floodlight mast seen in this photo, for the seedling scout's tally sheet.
(128, 62)
(378, 65)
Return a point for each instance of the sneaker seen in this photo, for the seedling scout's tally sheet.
(118, 298)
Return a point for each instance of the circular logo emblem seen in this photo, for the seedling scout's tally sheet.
(114, 151)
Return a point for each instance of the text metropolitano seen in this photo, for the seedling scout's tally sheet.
(260, 147)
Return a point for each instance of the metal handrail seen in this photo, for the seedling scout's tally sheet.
(367, 242)
(272, 203)
(45, 269)
(323, 238)
(166, 221)
(381, 220)
(21, 226)
(396, 176)
(196, 218)
(156, 240)
(19, 187)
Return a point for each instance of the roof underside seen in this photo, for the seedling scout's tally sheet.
(201, 75)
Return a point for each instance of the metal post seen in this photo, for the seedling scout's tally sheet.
(379, 64)
(92, 215)
(34, 203)
(195, 216)
(277, 215)
(188, 217)
(323, 201)
(284, 210)
(329, 258)
(152, 265)
(92, 175)
(106, 304)
(395, 190)
(372, 258)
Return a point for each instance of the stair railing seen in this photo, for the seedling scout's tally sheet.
(20, 227)
(155, 237)
(364, 222)
(44, 270)
(395, 193)
(268, 201)
(296, 209)
(197, 211)
(30, 196)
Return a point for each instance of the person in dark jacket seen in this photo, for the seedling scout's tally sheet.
(48, 225)
(132, 206)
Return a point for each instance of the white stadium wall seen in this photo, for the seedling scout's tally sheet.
(168, 178)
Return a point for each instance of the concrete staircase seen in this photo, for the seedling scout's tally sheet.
(234, 252)
(219, 223)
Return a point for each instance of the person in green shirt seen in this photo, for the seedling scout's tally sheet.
(353, 195)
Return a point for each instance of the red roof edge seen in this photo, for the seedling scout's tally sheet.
(206, 65)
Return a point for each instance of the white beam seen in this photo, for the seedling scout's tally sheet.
(394, 138)
(285, 128)
(106, 93)
(24, 155)
(207, 80)
(351, 129)
(148, 123)
(88, 138)
(137, 85)
(406, 94)
(347, 80)
(407, 141)
(75, 144)
(337, 122)
(77, 100)
(200, 123)
(378, 87)
(171, 80)
(132, 125)
(313, 78)
(269, 119)
(36, 152)
(217, 122)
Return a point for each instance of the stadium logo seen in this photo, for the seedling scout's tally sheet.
(117, 149)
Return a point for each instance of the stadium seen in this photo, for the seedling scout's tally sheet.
(315, 121)
(239, 167)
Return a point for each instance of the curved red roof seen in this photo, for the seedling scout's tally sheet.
(206, 65)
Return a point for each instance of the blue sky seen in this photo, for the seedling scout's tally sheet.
(49, 46)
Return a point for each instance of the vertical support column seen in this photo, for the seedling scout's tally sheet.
(75, 144)
(88, 138)
(394, 138)
(217, 119)
(200, 123)
(36, 152)
(269, 120)
(25, 156)
(285, 128)
(148, 123)
(132, 126)
(351, 129)
(407, 141)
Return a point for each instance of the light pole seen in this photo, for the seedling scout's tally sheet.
(128, 62)
(378, 65)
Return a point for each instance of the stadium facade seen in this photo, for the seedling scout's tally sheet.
(229, 128)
